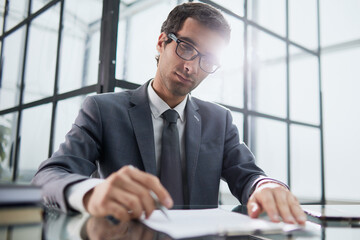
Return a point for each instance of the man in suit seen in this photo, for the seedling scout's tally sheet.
(119, 136)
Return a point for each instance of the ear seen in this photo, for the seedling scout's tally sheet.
(161, 42)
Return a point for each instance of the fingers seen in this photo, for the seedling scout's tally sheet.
(254, 209)
(297, 211)
(283, 205)
(277, 202)
(125, 195)
(152, 183)
(263, 198)
(290, 209)
(134, 195)
(140, 184)
(130, 201)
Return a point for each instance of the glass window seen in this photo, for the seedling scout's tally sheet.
(238, 119)
(2, 7)
(38, 4)
(305, 163)
(121, 52)
(303, 23)
(341, 74)
(304, 87)
(34, 135)
(127, 2)
(117, 89)
(339, 21)
(268, 14)
(17, 12)
(66, 112)
(142, 37)
(226, 84)
(80, 44)
(267, 73)
(41, 55)
(236, 6)
(8, 124)
(92, 59)
(270, 146)
(226, 197)
(13, 54)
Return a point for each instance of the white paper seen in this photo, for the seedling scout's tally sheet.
(193, 223)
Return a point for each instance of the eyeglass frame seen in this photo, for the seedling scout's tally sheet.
(173, 37)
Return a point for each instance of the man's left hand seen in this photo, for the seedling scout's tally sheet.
(277, 201)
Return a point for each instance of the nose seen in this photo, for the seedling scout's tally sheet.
(192, 67)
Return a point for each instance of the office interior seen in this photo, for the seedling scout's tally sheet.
(290, 76)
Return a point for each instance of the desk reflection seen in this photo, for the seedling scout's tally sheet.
(61, 226)
(103, 228)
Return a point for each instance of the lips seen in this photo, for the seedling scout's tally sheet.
(183, 78)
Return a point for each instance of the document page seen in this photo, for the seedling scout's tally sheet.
(193, 223)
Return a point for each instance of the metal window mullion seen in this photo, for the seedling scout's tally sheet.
(108, 41)
(253, 82)
(125, 84)
(22, 87)
(322, 159)
(245, 77)
(74, 93)
(6, 9)
(56, 82)
(288, 122)
(29, 18)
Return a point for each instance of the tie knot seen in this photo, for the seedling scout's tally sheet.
(171, 115)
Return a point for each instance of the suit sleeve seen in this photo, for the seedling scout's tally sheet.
(239, 168)
(76, 158)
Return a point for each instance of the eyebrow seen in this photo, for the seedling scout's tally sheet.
(189, 40)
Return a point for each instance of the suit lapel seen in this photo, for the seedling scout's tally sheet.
(140, 115)
(192, 141)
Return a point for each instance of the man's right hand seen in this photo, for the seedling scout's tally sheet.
(125, 195)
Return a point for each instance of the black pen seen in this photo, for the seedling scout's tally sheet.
(158, 204)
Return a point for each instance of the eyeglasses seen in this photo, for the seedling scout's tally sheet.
(188, 52)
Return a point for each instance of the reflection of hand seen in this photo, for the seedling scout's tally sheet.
(104, 229)
(277, 201)
(125, 194)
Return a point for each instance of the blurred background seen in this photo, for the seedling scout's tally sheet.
(290, 76)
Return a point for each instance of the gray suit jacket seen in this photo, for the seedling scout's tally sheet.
(115, 129)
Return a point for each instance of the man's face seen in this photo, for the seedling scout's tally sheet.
(177, 77)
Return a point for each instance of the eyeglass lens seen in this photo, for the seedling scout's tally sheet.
(188, 52)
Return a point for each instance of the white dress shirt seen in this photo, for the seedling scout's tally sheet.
(158, 107)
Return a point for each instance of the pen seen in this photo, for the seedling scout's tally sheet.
(159, 205)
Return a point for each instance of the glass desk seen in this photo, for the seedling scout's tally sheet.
(61, 226)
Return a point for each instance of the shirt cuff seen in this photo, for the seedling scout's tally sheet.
(263, 180)
(268, 180)
(76, 192)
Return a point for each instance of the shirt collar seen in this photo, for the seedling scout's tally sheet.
(158, 106)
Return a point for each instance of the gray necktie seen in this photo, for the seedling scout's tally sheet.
(170, 169)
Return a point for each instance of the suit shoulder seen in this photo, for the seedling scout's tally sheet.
(109, 98)
(209, 106)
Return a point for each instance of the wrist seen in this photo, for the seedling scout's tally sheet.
(263, 180)
(86, 198)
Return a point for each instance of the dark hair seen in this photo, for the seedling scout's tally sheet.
(203, 13)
